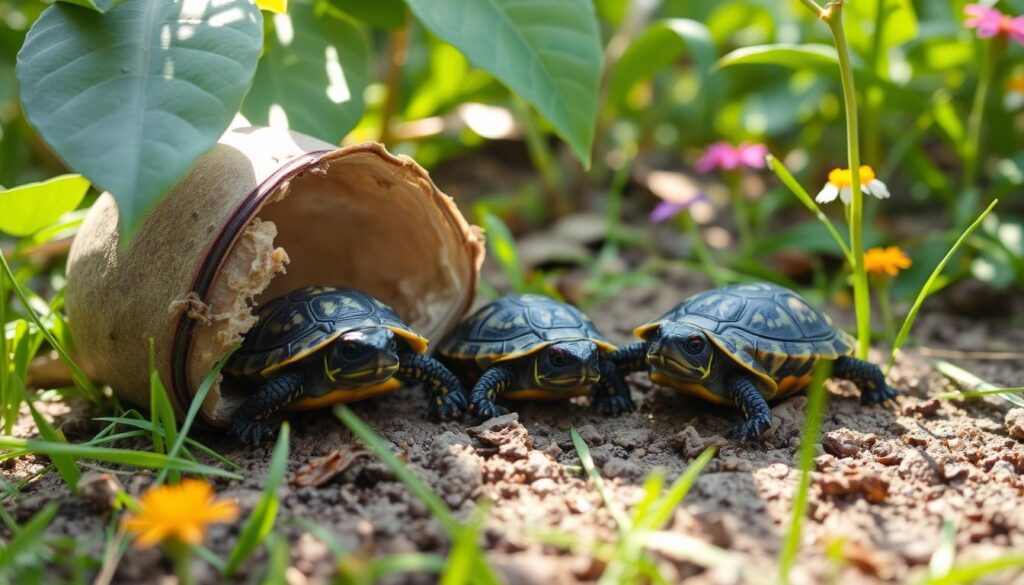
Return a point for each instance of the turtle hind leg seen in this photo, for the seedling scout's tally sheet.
(486, 390)
(445, 395)
(611, 395)
(755, 409)
(867, 377)
(249, 422)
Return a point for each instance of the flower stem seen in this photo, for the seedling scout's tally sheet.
(700, 250)
(741, 211)
(182, 556)
(397, 54)
(975, 124)
(861, 296)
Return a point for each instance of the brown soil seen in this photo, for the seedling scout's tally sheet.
(885, 478)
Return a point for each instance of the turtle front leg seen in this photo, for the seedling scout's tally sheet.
(445, 395)
(486, 390)
(249, 422)
(755, 409)
(867, 377)
(611, 395)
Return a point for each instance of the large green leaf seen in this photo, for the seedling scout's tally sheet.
(29, 208)
(313, 73)
(95, 5)
(822, 59)
(132, 98)
(547, 52)
(660, 45)
(384, 13)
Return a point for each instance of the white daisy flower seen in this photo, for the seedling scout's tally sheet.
(840, 181)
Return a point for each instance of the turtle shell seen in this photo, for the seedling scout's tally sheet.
(515, 326)
(306, 320)
(768, 329)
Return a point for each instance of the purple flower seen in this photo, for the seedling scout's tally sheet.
(666, 210)
(726, 157)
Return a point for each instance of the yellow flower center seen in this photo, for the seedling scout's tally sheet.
(886, 260)
(1015, 84)
(844, 178)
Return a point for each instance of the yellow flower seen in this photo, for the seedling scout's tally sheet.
(840, 185)
(886, 260)
(180, 512)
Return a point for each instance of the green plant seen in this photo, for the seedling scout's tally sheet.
(470, 565)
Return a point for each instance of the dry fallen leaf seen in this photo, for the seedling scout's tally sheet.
(317, 472)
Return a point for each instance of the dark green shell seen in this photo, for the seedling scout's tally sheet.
(767, 328)
(515, 326)
(305, 320)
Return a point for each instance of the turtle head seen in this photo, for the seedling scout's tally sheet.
(683, 352)
(362, 357)
(567, 365)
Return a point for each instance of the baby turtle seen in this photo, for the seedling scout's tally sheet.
(531, 347)
(743, 345)
(320, 345)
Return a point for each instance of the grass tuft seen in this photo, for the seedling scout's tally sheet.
(816, 398)
(261, 521)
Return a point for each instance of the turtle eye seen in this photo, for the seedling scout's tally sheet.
(557, 358)
(349, 349)
(695, 344)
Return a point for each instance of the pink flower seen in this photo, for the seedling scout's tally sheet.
(724, 156)
(990, 22)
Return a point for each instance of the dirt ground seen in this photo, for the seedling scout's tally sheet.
(885, 479)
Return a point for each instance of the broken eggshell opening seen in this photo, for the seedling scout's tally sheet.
(266, 211)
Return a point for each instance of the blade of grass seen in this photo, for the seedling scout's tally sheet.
(277, 564)
(908, 322)
(433, 502)
(120, 456)
(6, 397)
(944, 557)
(978, 387)
(459, 567)
(405, 563)
(482, 570)
(187, 442)
(504, 251)
(65, 464)
(662, 513)
(975, 572)
(193, 411)
(790, 181)
(816, 397)
(261, 520)
(583, 452)
(28, 536)
(82, 382)
(161, 414)
(694, 550)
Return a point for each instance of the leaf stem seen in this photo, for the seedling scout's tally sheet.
(741, 211)
(397, 53)
(815, 8)
(861, 299)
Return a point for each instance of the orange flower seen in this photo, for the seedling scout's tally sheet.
(180, 512)
(886, 260)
